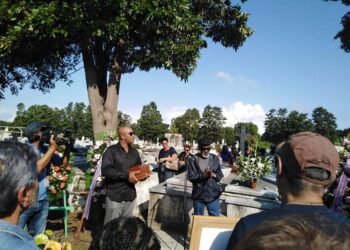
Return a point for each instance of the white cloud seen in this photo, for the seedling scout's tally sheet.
(224, 76)
(235, 79)
(173, 112)
(240, 112)
(7, 115)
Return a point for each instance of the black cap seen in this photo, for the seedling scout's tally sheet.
(33, 128)
(204, 141)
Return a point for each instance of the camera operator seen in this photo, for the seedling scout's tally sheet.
(35, 217)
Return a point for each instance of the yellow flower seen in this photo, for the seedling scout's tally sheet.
(53, 245)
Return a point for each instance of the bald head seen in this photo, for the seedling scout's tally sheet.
(126, 134)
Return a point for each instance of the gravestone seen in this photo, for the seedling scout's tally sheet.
(171, 201)
(242, 137)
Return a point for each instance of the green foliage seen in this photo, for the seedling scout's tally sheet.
(42, 42)
(344, 34)
(150, 125)
(211, 123)
(324, 123)
(76, 117)
(228, 134)
(123, 119)
(250, 168)
(279, 126)
(187, 125)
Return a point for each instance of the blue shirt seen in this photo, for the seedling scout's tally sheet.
(15, 238)
(166, 153)
(43, 182)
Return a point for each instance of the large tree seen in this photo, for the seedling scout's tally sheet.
(228, 134)
(150, 126)
(187, 124)
(211, 123)
(344, 34)
(325, 123)
(41, 42)
(279, 126)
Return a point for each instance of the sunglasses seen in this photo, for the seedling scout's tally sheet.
(206, 148)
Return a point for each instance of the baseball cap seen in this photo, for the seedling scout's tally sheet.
(34, 127)
(307, 149)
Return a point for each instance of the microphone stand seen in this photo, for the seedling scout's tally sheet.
(185, 202)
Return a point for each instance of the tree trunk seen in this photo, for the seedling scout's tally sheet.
(103, 98)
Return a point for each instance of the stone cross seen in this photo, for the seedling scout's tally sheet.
(242, 136)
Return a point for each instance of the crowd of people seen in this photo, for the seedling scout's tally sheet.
(306, 165)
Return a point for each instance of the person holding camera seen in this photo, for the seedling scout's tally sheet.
(204, 171)
(35, 217)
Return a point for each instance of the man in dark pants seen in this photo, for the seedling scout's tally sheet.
(204, 172)
(120, 184)
(306, 165)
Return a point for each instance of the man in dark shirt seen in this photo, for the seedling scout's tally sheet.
(183, 158)
(120, 184)
(204, 171)
(306, 165)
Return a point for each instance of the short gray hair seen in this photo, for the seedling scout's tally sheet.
(18, 169)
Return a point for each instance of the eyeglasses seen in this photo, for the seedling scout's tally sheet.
(131, 133)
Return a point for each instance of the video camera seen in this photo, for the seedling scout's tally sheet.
(65, 137)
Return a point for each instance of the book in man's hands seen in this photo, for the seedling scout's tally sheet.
(144, 173)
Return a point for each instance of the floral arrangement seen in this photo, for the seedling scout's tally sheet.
(43, 242)
(59, 178)
(253, 168)
(337, 197)
(94, 157)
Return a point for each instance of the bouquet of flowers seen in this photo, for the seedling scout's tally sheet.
(337, 196)
(253, 168)
(59, 178)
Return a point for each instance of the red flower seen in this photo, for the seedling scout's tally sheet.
(57, 168)
(59, 174)
(62, 185)
(65, 178)
(69, 168)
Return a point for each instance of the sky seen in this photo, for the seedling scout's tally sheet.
(291, 61)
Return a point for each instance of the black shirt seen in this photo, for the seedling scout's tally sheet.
(115, 165)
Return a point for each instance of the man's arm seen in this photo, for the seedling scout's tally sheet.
(217, 172)
(43, 161)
